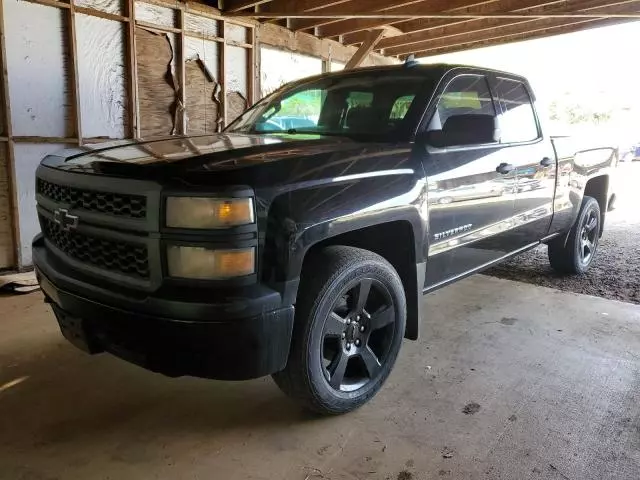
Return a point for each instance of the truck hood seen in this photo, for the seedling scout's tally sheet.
(199, 153)
(233, 158)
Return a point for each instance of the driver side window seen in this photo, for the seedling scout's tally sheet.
(465, 114)
(298, 111)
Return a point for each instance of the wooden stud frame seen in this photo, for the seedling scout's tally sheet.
(128, 19)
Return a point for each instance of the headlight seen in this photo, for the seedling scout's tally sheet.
(203, 212)
(207, 264)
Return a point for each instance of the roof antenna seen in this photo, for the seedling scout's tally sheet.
(411, 61)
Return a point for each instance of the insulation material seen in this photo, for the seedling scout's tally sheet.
(110, 6)
(202, 87)
(102, 77)
(281, 66)
(237, 81)
(36, 46)
(6, 237)
(236, 68)
(201, 25)
(158, 85)
(146, 12)
(236, 33)
(27, 159)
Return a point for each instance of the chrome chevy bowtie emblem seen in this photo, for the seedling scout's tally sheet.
(67, 222)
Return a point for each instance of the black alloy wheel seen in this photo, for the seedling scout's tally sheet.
(589, 236)
(574, 253)
(357, 335)
(348, 330)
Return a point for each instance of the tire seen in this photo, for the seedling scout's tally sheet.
(342, 349)
(576, 255)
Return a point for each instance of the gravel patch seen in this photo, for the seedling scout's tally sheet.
(615, 272)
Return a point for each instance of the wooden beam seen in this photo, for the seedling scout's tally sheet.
(300, 5)
(518, 30)
(182, 75)
(411, 43)
(345, 10)
(433, 6)
(237, 5)
(527, 35)
(414, 29)
(132, 84)
(73, 74)
(447, 16)
(365, 49)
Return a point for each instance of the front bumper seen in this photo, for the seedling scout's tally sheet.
(233, 338)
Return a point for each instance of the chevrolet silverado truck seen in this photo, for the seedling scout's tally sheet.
(303, 253)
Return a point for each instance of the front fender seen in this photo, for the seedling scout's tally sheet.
(302, 218)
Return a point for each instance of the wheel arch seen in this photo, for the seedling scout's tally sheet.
(598, 188)
(384, 240)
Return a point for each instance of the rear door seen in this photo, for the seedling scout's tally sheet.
(471, 204)
(532, 156)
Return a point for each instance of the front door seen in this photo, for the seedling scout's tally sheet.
(533, 158)
(471, 203)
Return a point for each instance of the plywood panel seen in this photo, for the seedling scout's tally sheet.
(27, 158)
(37, 68)
(157, 82)
(102, 77)
(6, 215)
(202, 86)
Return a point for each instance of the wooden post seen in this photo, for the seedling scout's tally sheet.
(257, 68)
(73, 73)
(182, 76)
(223, 74)
(251, 67)
(365, 49)
(10, 156)
(134, 112)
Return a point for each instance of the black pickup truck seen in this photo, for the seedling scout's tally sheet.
(301, 248)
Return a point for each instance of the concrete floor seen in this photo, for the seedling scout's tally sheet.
(549, 381)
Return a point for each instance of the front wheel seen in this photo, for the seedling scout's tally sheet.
(349, 325)
(576, 255)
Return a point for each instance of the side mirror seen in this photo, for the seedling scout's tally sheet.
(467, 129)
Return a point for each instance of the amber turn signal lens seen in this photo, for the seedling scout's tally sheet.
(206, 264)
(203, 213)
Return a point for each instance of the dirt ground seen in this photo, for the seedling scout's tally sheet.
(615, 272)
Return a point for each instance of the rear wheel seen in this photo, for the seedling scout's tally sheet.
(350, 321)
(575, 256)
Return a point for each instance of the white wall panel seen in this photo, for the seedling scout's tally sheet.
(28, 157)
(281, 66)
(102, 76)
(36, 64)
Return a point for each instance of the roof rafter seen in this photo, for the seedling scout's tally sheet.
(348, 9)
(526, 35)
(409, 43)
(508, 31)
(414, 29)
(433, 6)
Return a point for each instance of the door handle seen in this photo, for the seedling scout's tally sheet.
(505, 168)
(547, 162)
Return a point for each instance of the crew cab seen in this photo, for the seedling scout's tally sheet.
(303, 253)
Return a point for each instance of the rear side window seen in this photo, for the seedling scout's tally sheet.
(518, 119)
(465, 95)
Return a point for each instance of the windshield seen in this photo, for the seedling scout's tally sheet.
(371, 104)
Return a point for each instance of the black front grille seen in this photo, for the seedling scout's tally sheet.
(118, 204)
(128, 258)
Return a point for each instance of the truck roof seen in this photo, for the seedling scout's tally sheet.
(436, 69)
